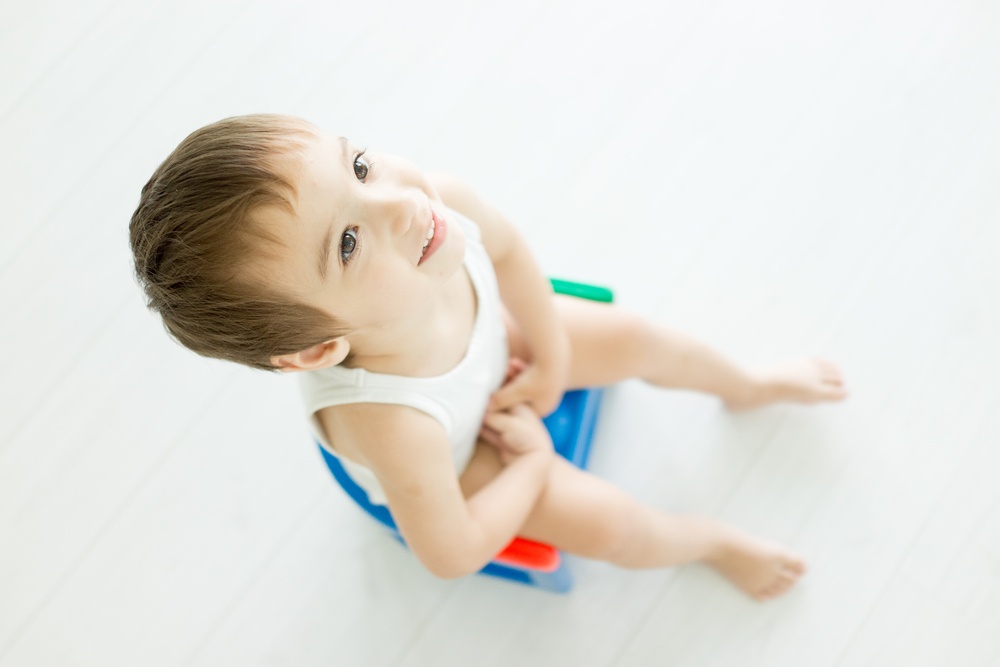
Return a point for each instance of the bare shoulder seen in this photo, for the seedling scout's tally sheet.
(497, 231)
(377, 434)
(410, 454)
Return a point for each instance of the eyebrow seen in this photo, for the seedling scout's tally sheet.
(324, 249)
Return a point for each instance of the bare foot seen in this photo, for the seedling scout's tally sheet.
(799, 381)
(760, 569)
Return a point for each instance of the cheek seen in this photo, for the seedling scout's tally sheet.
(392, 284)
(456, 248)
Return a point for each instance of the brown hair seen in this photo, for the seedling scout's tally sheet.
(194, 237)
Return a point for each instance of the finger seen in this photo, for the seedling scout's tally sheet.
(544, 408)
(507, 397)
(499, 422)
(490, 436)
(522, 410)
(515, 367)
(554, 403)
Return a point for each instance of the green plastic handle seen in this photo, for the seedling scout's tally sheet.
(582, 290)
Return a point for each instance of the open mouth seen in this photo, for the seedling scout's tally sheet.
(430, 236)
(435, 236)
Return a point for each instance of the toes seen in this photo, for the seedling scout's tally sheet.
(826, 364)
(787, 576)
(764, 594)
(833, 379)
(833, 387)
(797, 570)
(796, 567)
(830, 379)
(782, 588)
(771, 592)
(828, 369)
(787, 581)
(837, 393)
(775, 590)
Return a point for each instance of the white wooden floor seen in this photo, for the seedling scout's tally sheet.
(778, 177)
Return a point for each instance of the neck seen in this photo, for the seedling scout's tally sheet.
(430, 343)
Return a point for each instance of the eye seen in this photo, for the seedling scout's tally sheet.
(348, 242)
(361, 166)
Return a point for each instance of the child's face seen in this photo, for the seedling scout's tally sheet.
(355, 244)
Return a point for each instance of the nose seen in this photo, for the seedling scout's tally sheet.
(401, 209)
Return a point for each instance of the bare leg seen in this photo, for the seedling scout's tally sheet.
(610, 344)
(586, 516)
(589, 517)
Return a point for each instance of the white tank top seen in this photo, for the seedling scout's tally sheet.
(456, 399)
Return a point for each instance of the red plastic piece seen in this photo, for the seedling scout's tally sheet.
(530, 555)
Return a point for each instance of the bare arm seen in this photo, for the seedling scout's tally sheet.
(410, 455)
(526, 293)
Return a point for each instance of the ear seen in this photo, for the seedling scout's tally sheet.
(321, 355)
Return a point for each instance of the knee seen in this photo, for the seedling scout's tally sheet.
(639, 337)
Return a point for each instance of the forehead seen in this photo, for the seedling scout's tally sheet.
(319, 193)
(322, 151)
(316, 170)
(319, 175)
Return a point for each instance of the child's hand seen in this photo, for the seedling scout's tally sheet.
(515, 433)
(540, 386)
